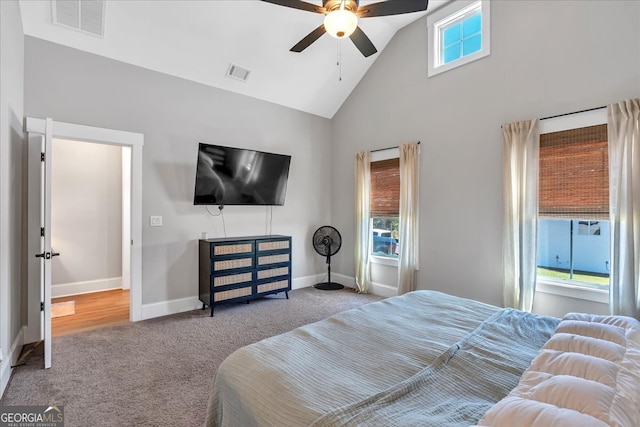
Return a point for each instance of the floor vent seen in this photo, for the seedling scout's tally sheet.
(82, 15)
(236, 72)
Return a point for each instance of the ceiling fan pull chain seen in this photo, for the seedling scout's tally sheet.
(340, 59)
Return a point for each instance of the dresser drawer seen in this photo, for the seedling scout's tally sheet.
(272, 286)
(232, 279)
(235, 248)
(232, 293)
(268, 273)
(232, 264)
(273, 259)
(273, 245)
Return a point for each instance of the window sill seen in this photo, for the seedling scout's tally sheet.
(391, 262)
(573, 291)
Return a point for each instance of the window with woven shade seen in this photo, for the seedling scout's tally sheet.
(574, 174)
(573, 207)
(384, 202)
(385, 187)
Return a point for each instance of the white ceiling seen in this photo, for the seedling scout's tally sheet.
(198, 39)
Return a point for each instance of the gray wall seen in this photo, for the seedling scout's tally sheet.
(174, 115)
(86, 211)
(547, 57)
(12, 151)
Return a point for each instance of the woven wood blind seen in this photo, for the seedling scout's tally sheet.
(385, 188)
(574, 174)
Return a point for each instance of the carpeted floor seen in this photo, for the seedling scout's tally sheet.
(159, 372)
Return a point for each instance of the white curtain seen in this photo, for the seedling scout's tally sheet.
(624, 206)
(521, 143)
(408, 238)
(362, 210)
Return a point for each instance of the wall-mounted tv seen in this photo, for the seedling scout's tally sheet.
(237, 176)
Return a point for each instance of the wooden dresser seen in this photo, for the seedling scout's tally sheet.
(243, 268)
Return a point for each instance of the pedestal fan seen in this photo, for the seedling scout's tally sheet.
(327, 242)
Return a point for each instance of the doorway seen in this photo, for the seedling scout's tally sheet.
(90, 185)
(39, 293)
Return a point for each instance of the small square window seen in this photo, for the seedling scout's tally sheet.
(472, 25)
(451, 53)
(458, 34)
(472, 45)
(451, 35)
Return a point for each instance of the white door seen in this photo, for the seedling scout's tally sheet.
(46, 253)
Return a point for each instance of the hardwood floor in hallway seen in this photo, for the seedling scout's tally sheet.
(92, 311)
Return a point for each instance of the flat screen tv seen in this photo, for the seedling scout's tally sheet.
(237, 176)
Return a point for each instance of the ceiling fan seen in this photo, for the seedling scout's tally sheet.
(341, 19)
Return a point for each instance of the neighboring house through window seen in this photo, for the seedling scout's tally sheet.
(458, 34)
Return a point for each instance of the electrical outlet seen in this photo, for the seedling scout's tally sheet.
(155, 221)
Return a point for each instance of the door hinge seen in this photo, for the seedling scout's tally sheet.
(42, 157)
(41, 231)
(42, 306)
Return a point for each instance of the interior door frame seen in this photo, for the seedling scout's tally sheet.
(135, 142)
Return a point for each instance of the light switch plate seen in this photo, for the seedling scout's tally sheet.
(155, 221)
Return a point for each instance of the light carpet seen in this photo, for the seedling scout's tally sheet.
(159, 372)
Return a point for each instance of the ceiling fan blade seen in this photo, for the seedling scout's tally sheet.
(296, 4)
(395, 7)
(310, 38)
(362, 42)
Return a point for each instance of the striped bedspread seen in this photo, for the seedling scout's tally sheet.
(319, 372)
(461, 384)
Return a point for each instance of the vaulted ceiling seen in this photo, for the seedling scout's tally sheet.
(199, 39)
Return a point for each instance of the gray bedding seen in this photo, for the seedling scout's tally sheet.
(402, 359)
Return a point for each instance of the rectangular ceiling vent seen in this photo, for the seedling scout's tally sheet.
(237, 72)
(86, 16)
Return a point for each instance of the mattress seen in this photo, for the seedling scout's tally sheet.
(587, 375)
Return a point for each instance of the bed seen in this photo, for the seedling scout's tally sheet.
(425, 358)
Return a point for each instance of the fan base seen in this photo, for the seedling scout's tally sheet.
(329, 286)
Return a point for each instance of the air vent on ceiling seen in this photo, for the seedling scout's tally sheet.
(236, 72)
(82, 15)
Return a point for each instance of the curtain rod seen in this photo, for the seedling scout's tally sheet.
(575, 112)
(388, 148)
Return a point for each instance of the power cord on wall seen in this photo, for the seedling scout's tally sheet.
(268, 220)
(220, 214)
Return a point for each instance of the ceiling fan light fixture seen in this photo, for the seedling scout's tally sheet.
(340, 23)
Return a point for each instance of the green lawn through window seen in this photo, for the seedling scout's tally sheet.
(579, 277)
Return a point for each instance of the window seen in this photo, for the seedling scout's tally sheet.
(385, 207)
(573, 212)
(589, 228)
(458, 34)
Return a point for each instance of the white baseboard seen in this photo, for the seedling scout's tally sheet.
(383, 290)
(165, 308)
(305, 281)
(378, 289)
(76, 288)
(9, 359)
(347, 281)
